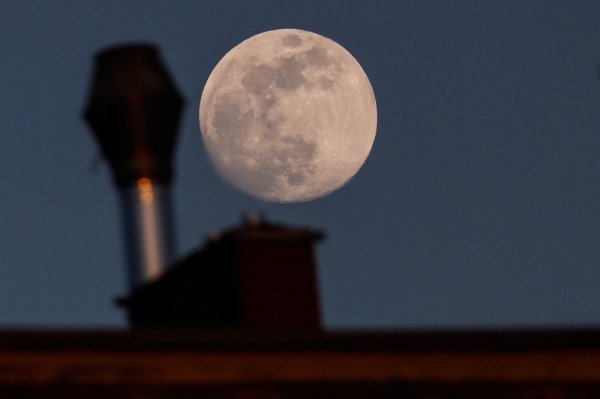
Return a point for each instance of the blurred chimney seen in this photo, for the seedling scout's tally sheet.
(256, 276)
(133, 110)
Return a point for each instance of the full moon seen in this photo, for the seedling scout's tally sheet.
(288, 115)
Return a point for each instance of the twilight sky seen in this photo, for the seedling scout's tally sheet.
(477, 207)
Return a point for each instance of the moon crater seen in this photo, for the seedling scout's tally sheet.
(288, 115)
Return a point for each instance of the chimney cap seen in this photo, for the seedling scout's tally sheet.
(134, 110)
(129, 48)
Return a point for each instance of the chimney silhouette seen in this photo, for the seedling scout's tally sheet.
(257, 276)
(133, 110)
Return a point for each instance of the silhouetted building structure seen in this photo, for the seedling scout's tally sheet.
(258, 276)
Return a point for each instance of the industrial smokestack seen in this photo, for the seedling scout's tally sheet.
(134, 110)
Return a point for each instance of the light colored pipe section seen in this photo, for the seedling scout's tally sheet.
(149, 234)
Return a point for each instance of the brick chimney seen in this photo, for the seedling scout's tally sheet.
(257, 276)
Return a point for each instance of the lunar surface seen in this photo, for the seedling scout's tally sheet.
(288, 115)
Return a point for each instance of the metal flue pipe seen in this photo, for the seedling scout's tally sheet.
(133, 110)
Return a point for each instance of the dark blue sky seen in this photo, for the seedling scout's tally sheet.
(477, 207)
